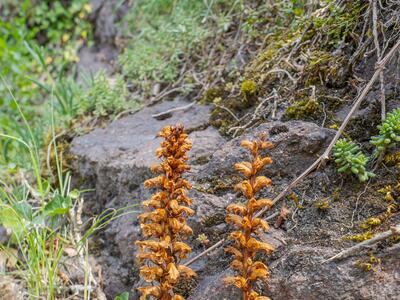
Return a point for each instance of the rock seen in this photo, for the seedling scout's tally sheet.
(105, 15)
(103, 54)
(213, 288)
(300, 274)
(11, 288)
(117, 159)
(297, 145)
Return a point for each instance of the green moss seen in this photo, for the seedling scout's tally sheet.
(185, 287)
(248, 91)
(323, 67)
(248, 87)
(201, 160)
(322, 204)
(360, 237)
(211, 94)
(302, 109)
(336, 194)
(370, 223)
(213, 220)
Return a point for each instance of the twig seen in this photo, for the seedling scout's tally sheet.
(283, 71)
(297, 45)
(228, 110)
(325, 155)
(167, 112)
(379, 56)
(216, 245)
(380, 237)
(379, 66)
(128, 111)
(160, 96)
(253, 118)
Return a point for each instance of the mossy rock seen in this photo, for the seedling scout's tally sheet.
(302, 110)
(211, 94)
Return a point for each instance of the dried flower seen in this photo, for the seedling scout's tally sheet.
(243, 217)
(165, 223)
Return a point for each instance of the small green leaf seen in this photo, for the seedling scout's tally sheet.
(123, 296)
(58, 206)
(74, 194)
(24, 210)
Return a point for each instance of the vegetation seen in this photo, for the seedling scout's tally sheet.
(389, 132)
(167, 32)
(350, 159)
(166, 222)
(243, 216)
(252, 62)
(103, 98)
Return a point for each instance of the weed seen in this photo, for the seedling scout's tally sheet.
(389, 132)
(368, 264)
(322, 204)
(103, 97)
(166, 32)
(166, 223)
(243, 217)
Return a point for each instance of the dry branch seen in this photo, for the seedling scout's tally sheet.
(169, 111)
(380, 237)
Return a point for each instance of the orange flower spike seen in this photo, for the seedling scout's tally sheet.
(242, 216)
(165, 223)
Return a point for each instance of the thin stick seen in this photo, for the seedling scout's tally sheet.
(325, 155)
(380, 237)
(216, 245)
(379, 56)
(379, 66)
(165, 113)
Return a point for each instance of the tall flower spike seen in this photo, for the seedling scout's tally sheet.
(165, 219)
(242, 216)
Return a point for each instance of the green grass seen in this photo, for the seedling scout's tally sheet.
(39, 97)
(40, 215)
(164, 34)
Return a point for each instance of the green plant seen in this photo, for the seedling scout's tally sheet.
(349, 158)
(43, 218)
(166, 31)
(243, 216)
(60, 27)
(164, 36)
(389, 132)
(103, 97)
(303, 109)
(123, 296)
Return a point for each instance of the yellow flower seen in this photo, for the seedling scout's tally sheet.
(65, 37)
(48, 60)
(84, 34)
(88, 8)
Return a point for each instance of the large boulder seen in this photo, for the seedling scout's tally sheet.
(116, 160)
(297, 146)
